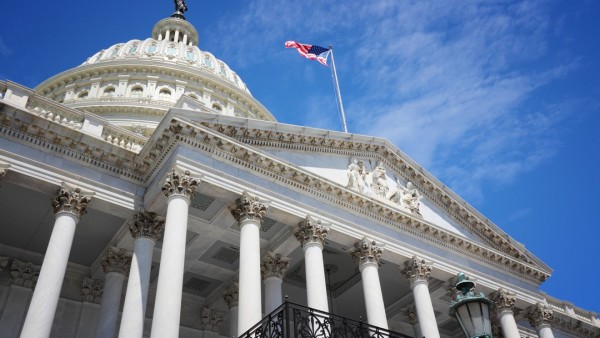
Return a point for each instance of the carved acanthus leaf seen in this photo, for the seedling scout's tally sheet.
(539, 314)
(504, 300)
(231, 295)
(417, 269)
(177, 183)
(310, 230)
(71, 200)
(211, 319)
(274, 265)
(367, 251)
(24, 273)
(248, 207)
(91, 290)
(116, 260)
(147, 224)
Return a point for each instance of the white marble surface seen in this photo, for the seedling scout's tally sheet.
(250, 298)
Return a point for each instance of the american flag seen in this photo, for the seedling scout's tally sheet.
(310, 51)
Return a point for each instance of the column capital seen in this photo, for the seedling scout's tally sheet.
(504, 300)
(248, 207)
(367, 251)
(3, 262)
(91, 290)
(410, 313)
(178, 183)
(417, 270)
(274, 265)
(539, 314)
(146, 224)
(231, 295)
(71, 200)
(116, 260)
(24, 273)
(310, 230)
(211, 319)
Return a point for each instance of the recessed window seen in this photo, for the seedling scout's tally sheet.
(151, 49)
(222, 69)
(83, 95)
(207, 61)
(115, 52)
(137, 91)
(164, 94)
(171, 50)
(217, 107)
(133, 49)
(190, 55)
(109, 91)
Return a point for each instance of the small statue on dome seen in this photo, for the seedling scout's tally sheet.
(180, 8)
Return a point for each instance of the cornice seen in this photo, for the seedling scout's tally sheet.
(379, 149)
(205, 138)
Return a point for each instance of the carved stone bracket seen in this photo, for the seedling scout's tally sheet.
(91, 290)
(177, 183)
(410, 313)
(71, 200)
(311, 230)
(539, 314)
(117, 260)
(417, 270)
(24, 273)
(231, 296)
(3, 262)
(211, 319)
(148, 225)
(248, 207)
(367, 251)
(274, 265)
(504, 300)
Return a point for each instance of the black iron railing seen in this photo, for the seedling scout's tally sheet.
(293, 320)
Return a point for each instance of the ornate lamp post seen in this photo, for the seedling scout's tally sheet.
(471, 310)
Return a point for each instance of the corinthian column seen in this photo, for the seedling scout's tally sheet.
(249, 211)
(146, 228)
(410, 313)
(311, 235)
(418, 272)
(504, 304)
(23, 276)
(116, 265)
(179, 188)
(273, 268)
(231, 297)
(69, 205)
(540, 317)
(367, 254)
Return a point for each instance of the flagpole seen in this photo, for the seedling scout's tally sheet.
(337, 90)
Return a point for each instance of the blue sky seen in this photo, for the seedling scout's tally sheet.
(498, 99)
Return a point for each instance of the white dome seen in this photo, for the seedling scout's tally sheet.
(134, 84)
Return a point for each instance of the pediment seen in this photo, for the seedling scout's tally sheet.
(321, 159)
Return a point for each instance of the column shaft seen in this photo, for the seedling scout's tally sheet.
(233, 321)
(424, 309)
(14, 310)
(273, 297)
(316, 288)
(249, 304)
(508, 324)
(42, 308)
(545, 331)
(373, 296)
(167, 307)
(136, 298)
(109, 305)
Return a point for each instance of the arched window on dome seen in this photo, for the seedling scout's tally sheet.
(151, 49)
(133, 49)
(137, 91)
(164, 94)
(171, 50)
(190, 55)
(83, 95)
(207, 61)
(217, 107)
(115, 52)
(222, 69)
(109, 91)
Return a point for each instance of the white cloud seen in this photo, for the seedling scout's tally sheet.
(452, 83)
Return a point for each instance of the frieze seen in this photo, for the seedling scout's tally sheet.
(198, 136)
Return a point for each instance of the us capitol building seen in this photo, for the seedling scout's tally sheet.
(147, 193)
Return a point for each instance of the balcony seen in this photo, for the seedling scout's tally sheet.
(293, 320)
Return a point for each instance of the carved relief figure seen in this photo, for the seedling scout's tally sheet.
(356, 175)
(379, 184)
(408, 197)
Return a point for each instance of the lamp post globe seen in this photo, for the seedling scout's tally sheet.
(472, 310)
